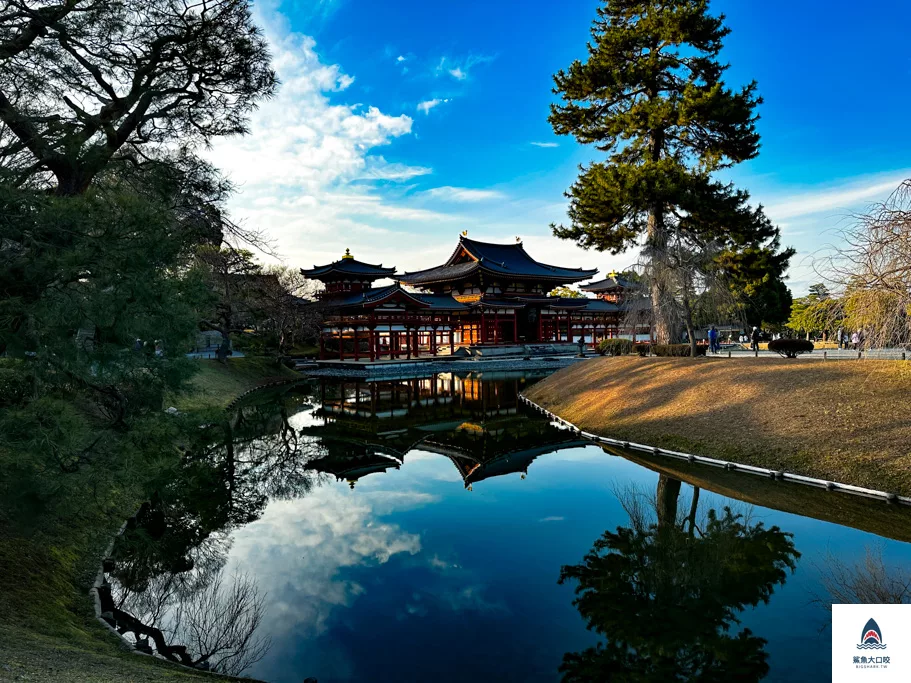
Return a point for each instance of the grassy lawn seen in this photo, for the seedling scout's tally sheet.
(216, 384)
(845, 421)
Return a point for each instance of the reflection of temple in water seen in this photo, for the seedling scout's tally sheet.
(479, 424)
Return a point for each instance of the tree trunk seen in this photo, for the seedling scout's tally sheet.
(656, 243)
(694, 505)
(668, 492)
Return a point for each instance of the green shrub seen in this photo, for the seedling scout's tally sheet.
(677, 350)
(641, 349)
(790, 348)
(615, 347)
(15, 385)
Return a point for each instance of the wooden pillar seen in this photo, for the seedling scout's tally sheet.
(541, 325)
(357, 351)
(483, 336)
(391, 345)
(433, 344)
(341, 344)
(417, 342)
(515, 326)
(322, 345)
(408, 342)
(496, 326)
(451, 341)
(371, 342)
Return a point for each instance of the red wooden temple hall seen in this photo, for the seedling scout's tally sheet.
(363, 322)
(485, 294)
(507, 293)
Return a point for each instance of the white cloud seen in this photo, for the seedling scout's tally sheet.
(459, 67)
(427, 105)
(463, 194)
(379, 169)
(400, 59)
(545, 144)
(833, 200)
(297, 549)
(551, 519)
(308, 175)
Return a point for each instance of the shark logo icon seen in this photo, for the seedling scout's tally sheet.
(871, 637)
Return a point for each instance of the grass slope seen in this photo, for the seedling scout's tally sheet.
(216, 384)
(845, 421)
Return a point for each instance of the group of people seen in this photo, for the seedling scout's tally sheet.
(715, 340)
(855, 340)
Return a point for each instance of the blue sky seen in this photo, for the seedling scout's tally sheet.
(402, 123)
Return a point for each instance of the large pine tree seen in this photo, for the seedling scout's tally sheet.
(651, 95)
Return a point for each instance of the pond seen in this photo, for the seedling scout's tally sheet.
(433, 529)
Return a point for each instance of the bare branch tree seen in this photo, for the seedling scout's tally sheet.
(868, 581)
(872, 269)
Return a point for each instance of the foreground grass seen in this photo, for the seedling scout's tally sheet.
(845, 421)
(52, 541)
(216, 384)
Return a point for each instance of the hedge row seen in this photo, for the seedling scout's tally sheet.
(615, 347)
(790, 348)
(677, 350)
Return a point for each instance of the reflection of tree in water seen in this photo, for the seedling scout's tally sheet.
(666, 592)
(866, 582)
(167, 567)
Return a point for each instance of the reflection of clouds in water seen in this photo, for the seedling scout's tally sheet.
(452, 600)
(431, 466)
(552, 519)
(298, 547)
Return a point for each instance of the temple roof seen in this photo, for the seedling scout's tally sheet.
(348, 265)
(374, 296)
(613, 282)
(497, 259)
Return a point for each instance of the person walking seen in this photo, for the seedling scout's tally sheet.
(713, 340)
(754, 339)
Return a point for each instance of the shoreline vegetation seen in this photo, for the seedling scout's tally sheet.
(48, 630)
(844, 421)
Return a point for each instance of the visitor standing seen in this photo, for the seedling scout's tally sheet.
(855, 340)
(754, 339)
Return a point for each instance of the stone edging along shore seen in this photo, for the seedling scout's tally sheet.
(747, 469)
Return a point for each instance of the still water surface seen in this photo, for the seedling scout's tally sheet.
(416, 531)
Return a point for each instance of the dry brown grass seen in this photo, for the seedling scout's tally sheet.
(847, 421)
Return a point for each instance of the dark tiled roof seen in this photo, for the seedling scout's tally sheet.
(607, 284)
(440, 273)
(440, 302)
(598, 306)
(499, 259)
(348, 266)
(494, 302)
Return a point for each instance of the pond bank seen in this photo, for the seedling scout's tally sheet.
(845, 422)
(50, 556)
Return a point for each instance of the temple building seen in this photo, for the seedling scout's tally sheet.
(363, 322)
(367, 427)
(485, 294)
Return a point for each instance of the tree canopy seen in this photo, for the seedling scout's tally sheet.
(651, 95)
(87, 85)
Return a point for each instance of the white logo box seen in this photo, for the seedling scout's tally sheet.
(889, 663)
